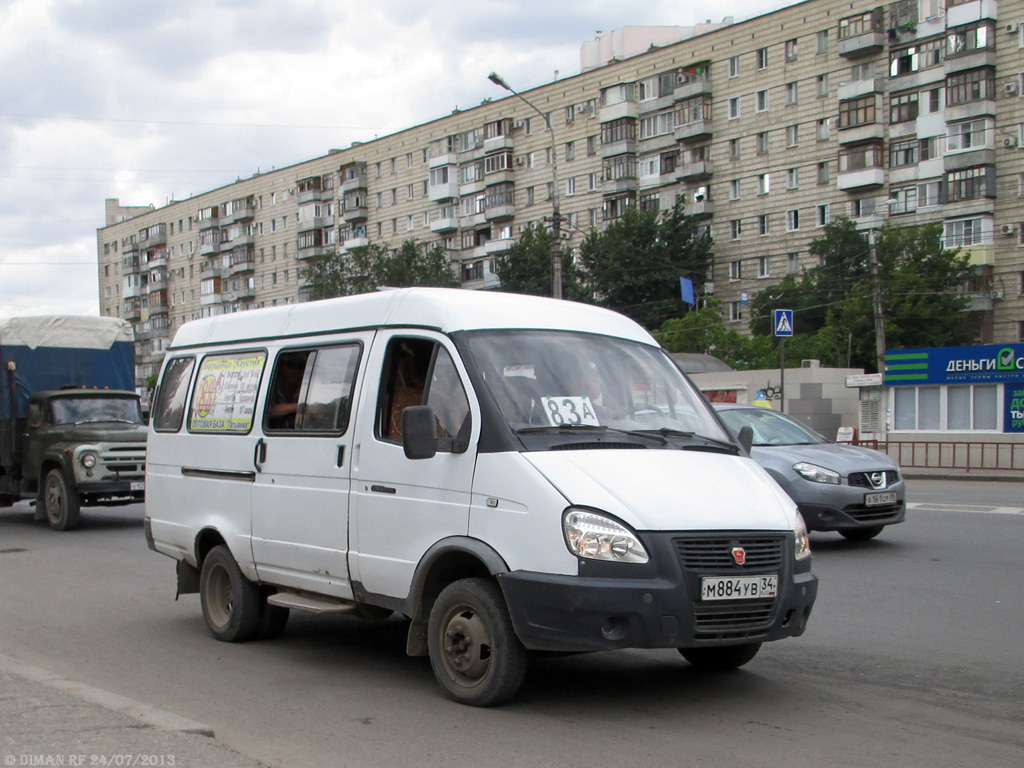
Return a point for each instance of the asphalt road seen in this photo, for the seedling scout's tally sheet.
(913, 657)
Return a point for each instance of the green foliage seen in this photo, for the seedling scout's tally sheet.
(834, 307)
(526, 267)
(373, 266)
(635, 264)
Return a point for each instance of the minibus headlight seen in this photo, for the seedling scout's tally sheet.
(801, 539)
(816, 474)
(594, 536)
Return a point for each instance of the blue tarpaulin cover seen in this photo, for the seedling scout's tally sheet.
(57, 351)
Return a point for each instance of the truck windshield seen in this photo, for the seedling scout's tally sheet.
(76, 410)
(560, 380)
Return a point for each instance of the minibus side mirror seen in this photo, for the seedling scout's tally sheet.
(419, 433)
(746, 438)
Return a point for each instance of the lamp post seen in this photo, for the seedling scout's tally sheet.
(556, 217)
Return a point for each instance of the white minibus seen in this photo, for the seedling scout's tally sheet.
(511, 474)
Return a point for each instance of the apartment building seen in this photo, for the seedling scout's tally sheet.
(768, 129)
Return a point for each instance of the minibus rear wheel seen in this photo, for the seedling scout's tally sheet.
(721, 658)
(474, 651)
(231, 603)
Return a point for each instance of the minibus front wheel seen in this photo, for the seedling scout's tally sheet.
(231, 603)
(474, 651)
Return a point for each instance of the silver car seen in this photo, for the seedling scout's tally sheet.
(837, 487)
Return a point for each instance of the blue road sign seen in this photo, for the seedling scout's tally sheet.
(782, 321)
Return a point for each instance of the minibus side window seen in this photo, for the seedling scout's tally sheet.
(169, 403)
(224, 396)
(312, 390)
(421, 372)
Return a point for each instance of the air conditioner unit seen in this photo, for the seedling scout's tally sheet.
(1009, 229)
(1010, 88)
(709, 287)
(1011, 28)
(1009, 142)
(520, 161)
(581, 109)
(519, 124)
(996, 294)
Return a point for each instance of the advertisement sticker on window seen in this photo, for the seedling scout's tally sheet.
(225, 393)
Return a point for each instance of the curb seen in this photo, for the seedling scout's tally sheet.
(154, 717)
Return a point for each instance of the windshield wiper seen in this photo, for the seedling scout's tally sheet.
(647, 434)
(711, 441)
(104, 421)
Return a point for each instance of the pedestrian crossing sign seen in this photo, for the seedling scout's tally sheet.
(782, 321)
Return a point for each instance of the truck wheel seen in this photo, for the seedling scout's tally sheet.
(60, 501)
(721, 658)
(861, 534)
(231, 603)
(474, 651)
(273, 618)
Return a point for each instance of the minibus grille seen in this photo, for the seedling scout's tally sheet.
(705, 555)
(592, 446)
(732, 621)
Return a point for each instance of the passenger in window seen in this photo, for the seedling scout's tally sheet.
(408, 385)
(284, 399)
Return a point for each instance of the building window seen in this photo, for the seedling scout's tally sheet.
(967, 184)
(860, 24)
(821, 86)
(904, 200)
(823, 214)
(734, 107)
(823, 129)
(903, 108)
(734, 66)
(915, 58)
(793, 263)
(792, 219)
(660, 124)
(970, 38)
(792, 135)
(969, 134)
(953, 408)
(791, 50)
(823, 173)
(861, 207)
(762, 143)
(734, 146)
(763, 224)
(764, 183)
(763, 267)
(822, 41)
(856, 112)
(963, 232)
(792, 93)
(736, 270)
(735, 310)
(973, 85)
(793, 178)
(735, 228)
(903, 153)
(861, 156)
(762, 58)
(762, 100)
(734, 189)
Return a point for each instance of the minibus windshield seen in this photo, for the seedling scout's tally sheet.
(563, 380)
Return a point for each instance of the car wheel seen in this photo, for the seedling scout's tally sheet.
(231, 603)
(60, 501)
(721, 658)
(474, 651)
(861, 534)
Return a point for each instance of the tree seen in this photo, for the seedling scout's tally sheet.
(373, 266)
(834, 303)
(526, 267)
(635, 264)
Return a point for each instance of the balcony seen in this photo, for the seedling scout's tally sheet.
(155, 259)
(447, 191)
(701, 208)
(618, 111)
(209, 299)
(695, 87)
(310, 190)
(858, 88)
(620, 185)
(968, 158)
(130, 261)
(499, 245)
(619, 147)
(444, 224)
(243, 210)
(242, 266)
(859, 179)
(355, 212)
(697, 170)
(498, 212)
(859, 134)
(698, 129)
(497, 144)
(353, 178)
(359, 241)
(976, 59)
(153, 236)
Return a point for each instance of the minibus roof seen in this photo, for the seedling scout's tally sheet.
(443, 309)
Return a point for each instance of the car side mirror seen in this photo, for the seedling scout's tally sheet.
(746, 438)
(419, 433)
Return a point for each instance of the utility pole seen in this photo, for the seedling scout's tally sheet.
(876, 300)
(556, 216)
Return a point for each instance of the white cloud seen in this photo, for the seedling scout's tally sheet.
(154, 101)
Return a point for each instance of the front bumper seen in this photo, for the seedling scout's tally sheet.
(109, 490)
(656, 605)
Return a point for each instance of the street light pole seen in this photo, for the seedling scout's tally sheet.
(876, 299)
(556, 217)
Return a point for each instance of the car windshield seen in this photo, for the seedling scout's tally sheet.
(76, 410)
(545, 380)
(770, 428)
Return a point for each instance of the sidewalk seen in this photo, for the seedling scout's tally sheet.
(48, 720)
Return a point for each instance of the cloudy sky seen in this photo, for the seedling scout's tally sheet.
(149, 101)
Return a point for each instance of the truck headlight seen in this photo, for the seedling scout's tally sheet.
(816, 474)
(594, 536)
(801, 539)
(88, 460)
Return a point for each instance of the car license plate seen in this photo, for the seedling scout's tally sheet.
(137, 485)
(877, 499)
(738, 587)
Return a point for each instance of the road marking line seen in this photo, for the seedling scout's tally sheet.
(155, 717)
(973, 508)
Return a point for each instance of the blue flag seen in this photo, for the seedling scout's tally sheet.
(686, 288)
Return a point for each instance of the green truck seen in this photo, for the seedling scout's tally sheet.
(71, 428)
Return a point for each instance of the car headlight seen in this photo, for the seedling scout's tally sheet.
(816, 474)
(801, 538)
(595, 536)
(88, 460)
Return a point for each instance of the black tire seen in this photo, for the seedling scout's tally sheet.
(231, 603)
(60, 501)
(474, 651)
(273, 618)
(861, 534)
(721, 658)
